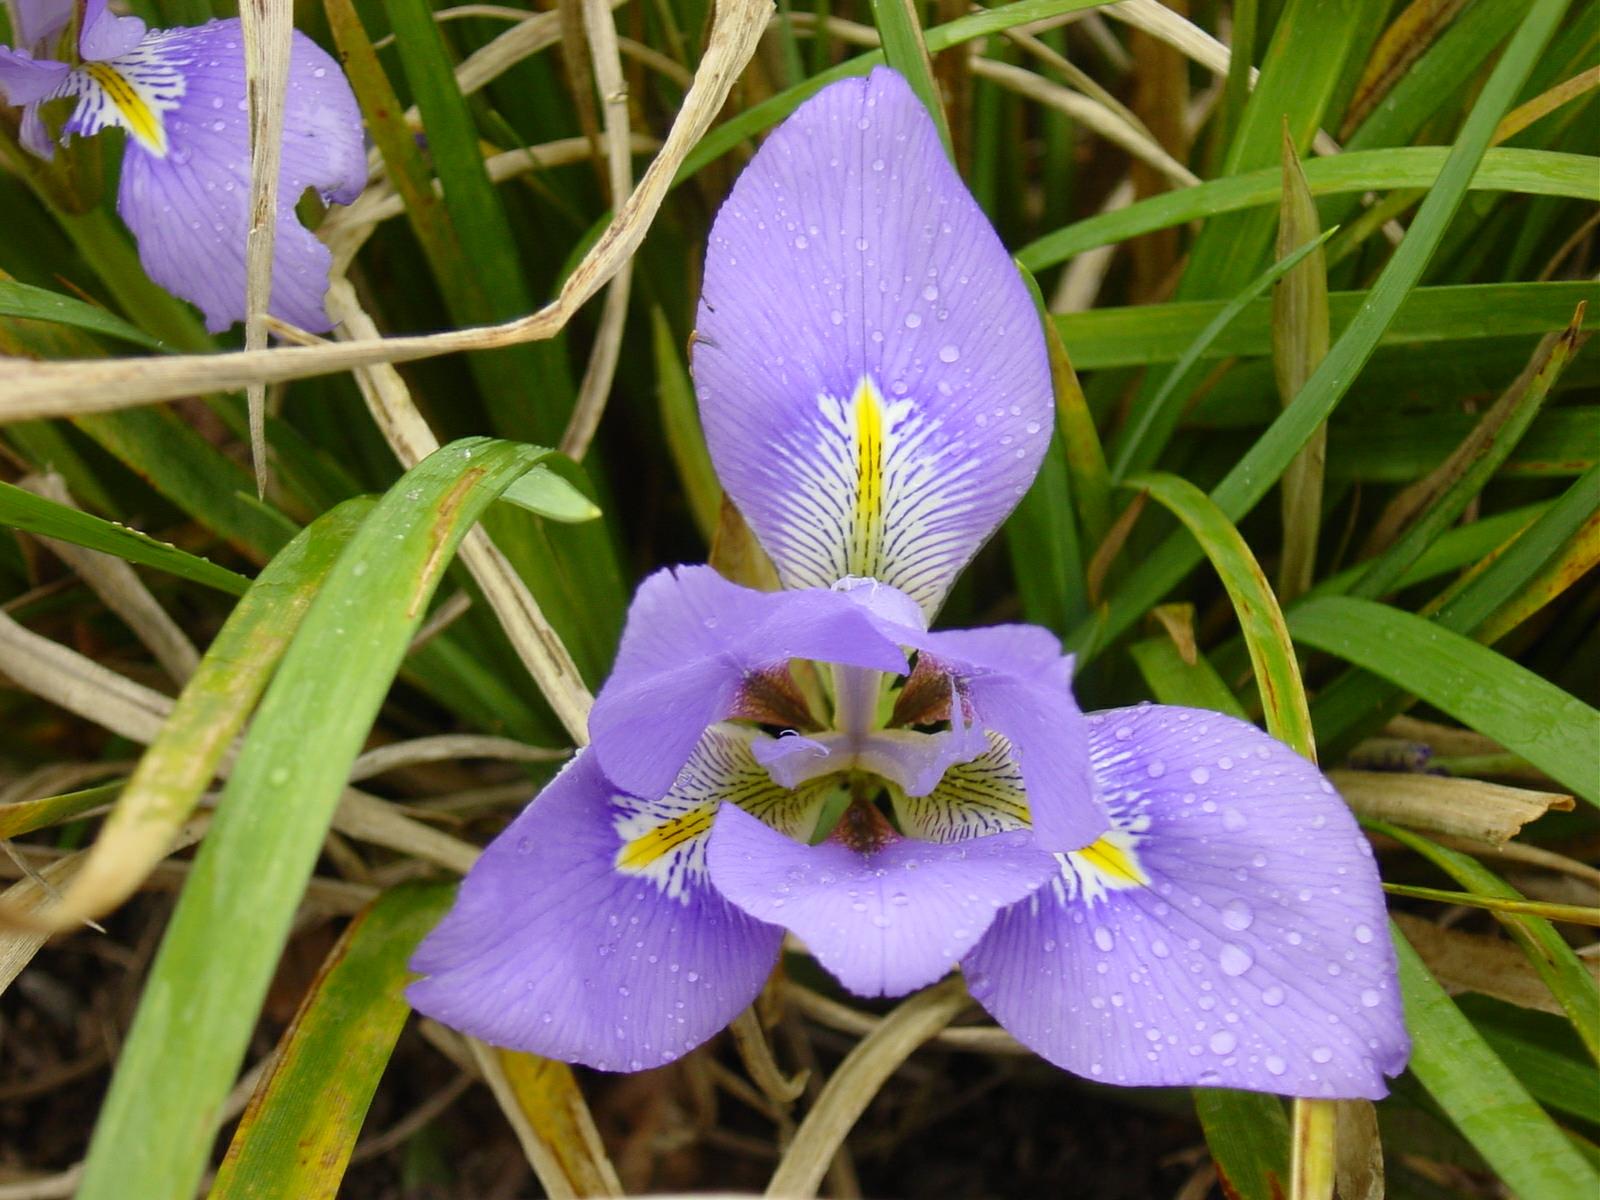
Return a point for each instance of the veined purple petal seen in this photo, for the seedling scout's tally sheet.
(691, 643)
(185, 188)
(105, 35)
(1016, 683)
(872, 377)
(588, 932)
(1231, 933)
(886, 922)
(25, 80)
(981, 795)
(36, 22)
(34, 135)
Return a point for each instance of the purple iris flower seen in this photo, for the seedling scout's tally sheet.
(1152, 895)
(185, 189)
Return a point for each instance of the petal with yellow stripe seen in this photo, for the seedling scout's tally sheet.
(555, 948)
(872, 377)
(1229, 932)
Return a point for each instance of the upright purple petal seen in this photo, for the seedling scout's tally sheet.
(588, 932)
(35, 22)
(886, 922)
(185, 189)
(1016, 683)
(693, 644)
(1231, 933)
(105, 35)
(872, 377)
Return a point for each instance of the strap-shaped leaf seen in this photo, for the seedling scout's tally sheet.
(216, 960)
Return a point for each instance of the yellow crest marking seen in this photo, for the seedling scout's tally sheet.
(638, 855)
(1110, 862)
(141, 121)
(866, 534)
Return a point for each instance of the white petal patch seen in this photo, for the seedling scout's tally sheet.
(130, 92)
(1110, 864)
(875, 496)
(665, 839)
(974, 799)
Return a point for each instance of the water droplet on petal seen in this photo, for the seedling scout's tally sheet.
(1236, 915)
(1234, 960)
(1223, 1042)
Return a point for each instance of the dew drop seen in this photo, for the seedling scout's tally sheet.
(1321, 1054)
(1276, 1065)
(1236, 915)
(1234, 959)
(1272, 997)
(1223, 1042)
(1363, 934)
(1200, 775)
(912, 320)
(1103, 938)
(949, 354)
(1370, 998)
(1233, 820)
